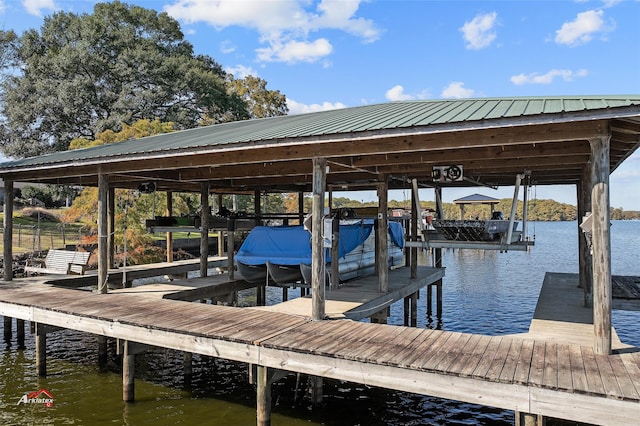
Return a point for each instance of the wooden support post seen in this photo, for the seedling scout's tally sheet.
(285, 294)
(169, 236)
(527, 419)
(382, 256)
(301, 207)
(406, 312)
(220, 233)
(220, 243)
(439, 300)
(102, 352)
(317, 246)
(41, 350)
(585, 262)
(128, 372)
(263, 397)
(600, 148)
(257, 207)
(430, 302)
(437, 261)
(20, 333)
(7, 329)
(231, 247)
(316, 390)
(416, 224)
(205, 213)
(187, 358)
(380, 317)
(414, 309)
(111, 214)
(7, 228)
(103, 232)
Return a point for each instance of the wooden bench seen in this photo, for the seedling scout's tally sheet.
(60, 262)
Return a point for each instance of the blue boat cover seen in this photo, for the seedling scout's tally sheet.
(291, 245)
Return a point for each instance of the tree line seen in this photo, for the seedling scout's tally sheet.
(80, 75)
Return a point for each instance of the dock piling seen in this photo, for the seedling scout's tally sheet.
(7, 329)
(41, 350)
(188, 367)
(128, 370)
(102, 352)
(263, 397)
(20, 333)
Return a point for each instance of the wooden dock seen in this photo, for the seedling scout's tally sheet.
(358, 299)
(539, 376)
(136, 272)
(561, 316)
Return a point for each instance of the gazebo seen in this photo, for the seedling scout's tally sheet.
(475, 199)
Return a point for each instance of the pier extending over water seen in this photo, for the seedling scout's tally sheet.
(525, 373)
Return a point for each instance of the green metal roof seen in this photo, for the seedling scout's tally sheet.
(406, 116)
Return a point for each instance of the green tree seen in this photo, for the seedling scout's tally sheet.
(8, 51)
(51, 195)
(83, 74)
(260, 102)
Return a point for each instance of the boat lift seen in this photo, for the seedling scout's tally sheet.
(495, 234)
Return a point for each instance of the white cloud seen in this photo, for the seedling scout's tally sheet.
(610, 3)
(35, 7)
(283, 25)
(298, 108)
(2, 6)
(547, 78)
(396, 93)
(295, 51)
(479, 32)
(582, 29)
(241, 71)
(457, 90)
(227, 46)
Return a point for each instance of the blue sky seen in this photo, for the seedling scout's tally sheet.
(344, 53)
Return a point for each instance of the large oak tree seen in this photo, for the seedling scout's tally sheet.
(82, 74)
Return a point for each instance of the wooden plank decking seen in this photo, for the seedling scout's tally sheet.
(358, 299)
(561, 316)
(137, 272)
(554, 379)
(188, 290)
(625, 292)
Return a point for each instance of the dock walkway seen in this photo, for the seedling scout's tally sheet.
(549, 378)
(358, 299)
(114, 276)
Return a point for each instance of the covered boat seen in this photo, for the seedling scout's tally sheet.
(280, 254)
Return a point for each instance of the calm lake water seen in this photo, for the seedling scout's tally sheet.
(484, 292)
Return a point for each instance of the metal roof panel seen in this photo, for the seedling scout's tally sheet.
(410, 115)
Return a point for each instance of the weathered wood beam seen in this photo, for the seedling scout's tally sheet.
(382, 253)
(263, 396)
(585, 267)
(601, 244)
(7, 229)
(452, 156)
(103, 232)
(317, 246)
(205, 214)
